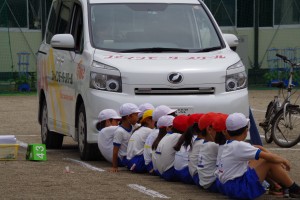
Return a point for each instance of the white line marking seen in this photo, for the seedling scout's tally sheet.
(85, 165)
(146, 191)
(26, 135)
(253, 109)
(283, 149)
(22, 144)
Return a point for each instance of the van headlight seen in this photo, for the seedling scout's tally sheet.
(108, 82)
(235, 81)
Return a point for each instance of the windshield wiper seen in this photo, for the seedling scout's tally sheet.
(155, 50)
(208, 49)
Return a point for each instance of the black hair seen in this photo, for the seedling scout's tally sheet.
(220, 138)
(186, 138)
(162, 132)
(101, 125)
(203, 132)
(142, 124)
(237, 132)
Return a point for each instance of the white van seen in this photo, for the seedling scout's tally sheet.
(99, 54)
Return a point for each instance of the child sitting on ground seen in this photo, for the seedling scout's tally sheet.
(243, 167)
(107, 125)
(129, 113)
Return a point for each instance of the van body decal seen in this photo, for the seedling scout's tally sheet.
(55, 92)
(80, 71)
(165, 57)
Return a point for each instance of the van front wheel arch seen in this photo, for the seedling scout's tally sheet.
(87, 151)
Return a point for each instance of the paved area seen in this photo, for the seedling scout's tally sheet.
(21, 179)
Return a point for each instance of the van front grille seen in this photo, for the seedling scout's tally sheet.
(174, 91)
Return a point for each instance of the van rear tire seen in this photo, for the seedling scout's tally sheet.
(51, 139)
(87, 151)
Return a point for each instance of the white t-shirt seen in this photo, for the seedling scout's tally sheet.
(148, 146)
(105, 142)
(181, 158)
(165, 152)
(235, 158)
(221, 147)
(194, 155)
(137, 142)
(121, 139)
(207, 163)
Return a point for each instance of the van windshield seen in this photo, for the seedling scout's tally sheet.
(152, 27)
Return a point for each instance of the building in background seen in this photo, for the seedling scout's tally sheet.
(264, 28)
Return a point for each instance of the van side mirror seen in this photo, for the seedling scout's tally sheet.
(232, 41)
(63, 41)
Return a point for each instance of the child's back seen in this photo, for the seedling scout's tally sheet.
(105, 142)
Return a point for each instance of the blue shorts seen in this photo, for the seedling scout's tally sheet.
(149, 167)
(215, 187)
(123, 162)
(139, 163)
(247, 186)
(196, 179)
(184, 175)
(170, 175)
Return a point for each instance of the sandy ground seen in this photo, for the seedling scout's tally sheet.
(21, 179)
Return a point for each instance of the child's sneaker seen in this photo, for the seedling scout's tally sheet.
(295, 194)
(276, 190)
(286, 193)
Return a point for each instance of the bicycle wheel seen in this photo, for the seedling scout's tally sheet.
(268, 116)
(286, 127)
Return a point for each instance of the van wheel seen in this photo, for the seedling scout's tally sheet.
(87, 151)
(51, 139)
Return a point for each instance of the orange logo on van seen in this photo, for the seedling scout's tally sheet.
(80, 71)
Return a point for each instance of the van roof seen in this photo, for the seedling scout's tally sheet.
(146, 1)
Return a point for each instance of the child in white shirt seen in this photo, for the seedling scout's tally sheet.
(129, 113)
(243, 167)
(158, 112)
(135, 157)
(108, 123)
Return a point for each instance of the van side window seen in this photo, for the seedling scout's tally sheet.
(77, 28)
(51, 22)
(63, 23)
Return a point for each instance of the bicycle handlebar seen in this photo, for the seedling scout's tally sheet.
(282, 57)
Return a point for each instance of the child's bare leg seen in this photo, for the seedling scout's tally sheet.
(275, 171)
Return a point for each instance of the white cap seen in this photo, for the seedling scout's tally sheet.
(128, 108)
(161, 111)
(143, 107)
(108, 114)
(165, 121)
(236, 121)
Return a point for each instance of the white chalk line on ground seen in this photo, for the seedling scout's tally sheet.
(86, 165)
(283, 149)
(27, 135)
(146, 191)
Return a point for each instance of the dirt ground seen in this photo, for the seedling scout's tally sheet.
(21, 179)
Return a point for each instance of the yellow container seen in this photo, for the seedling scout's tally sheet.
(9, 151)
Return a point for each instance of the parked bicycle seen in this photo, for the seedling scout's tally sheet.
(282, 119)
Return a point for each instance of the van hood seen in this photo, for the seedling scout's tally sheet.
(155, 68)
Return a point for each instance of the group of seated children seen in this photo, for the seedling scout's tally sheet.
(206, 149)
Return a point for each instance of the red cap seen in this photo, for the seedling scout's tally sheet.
(206, 120)
(180, 123)
(194, 118)
(219, 123)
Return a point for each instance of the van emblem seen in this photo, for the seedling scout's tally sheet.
(175, 77)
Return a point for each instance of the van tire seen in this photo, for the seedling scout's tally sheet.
(51, 139)
(87, 151)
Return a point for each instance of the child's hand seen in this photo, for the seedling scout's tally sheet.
(286, 165)
(114, 170)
